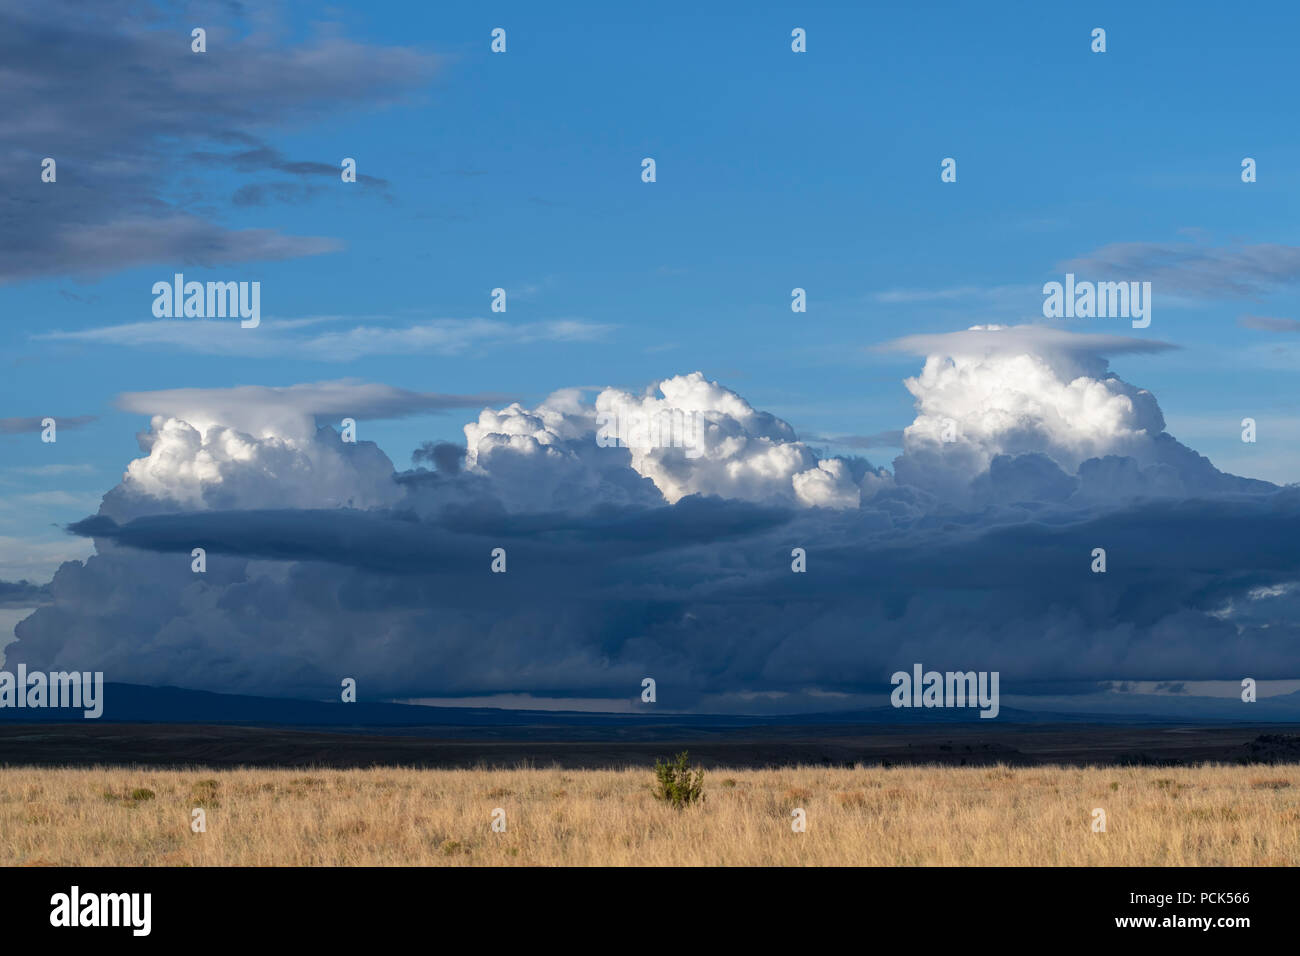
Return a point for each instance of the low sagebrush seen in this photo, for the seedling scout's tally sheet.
(675, 782)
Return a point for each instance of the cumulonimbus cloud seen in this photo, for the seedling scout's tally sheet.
(974, 552)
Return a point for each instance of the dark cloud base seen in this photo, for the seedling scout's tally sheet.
(699, 595)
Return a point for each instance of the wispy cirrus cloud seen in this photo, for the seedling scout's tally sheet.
(1186, 270)
(32, 423)
(47, 471)
(967, 294)
(1266, 323)
(304, 338)
(1196, 270)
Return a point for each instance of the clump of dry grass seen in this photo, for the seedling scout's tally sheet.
(1199, 816)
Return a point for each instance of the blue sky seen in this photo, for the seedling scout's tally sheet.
(775, 170)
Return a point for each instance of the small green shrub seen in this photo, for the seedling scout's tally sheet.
(675, 783)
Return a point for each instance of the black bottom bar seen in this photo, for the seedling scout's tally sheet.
(332, 906)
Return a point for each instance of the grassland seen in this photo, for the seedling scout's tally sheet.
(1202, 815)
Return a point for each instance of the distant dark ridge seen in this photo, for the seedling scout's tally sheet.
(92, 744)
(134, 703)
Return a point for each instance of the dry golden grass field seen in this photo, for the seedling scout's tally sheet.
(1207, 815)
